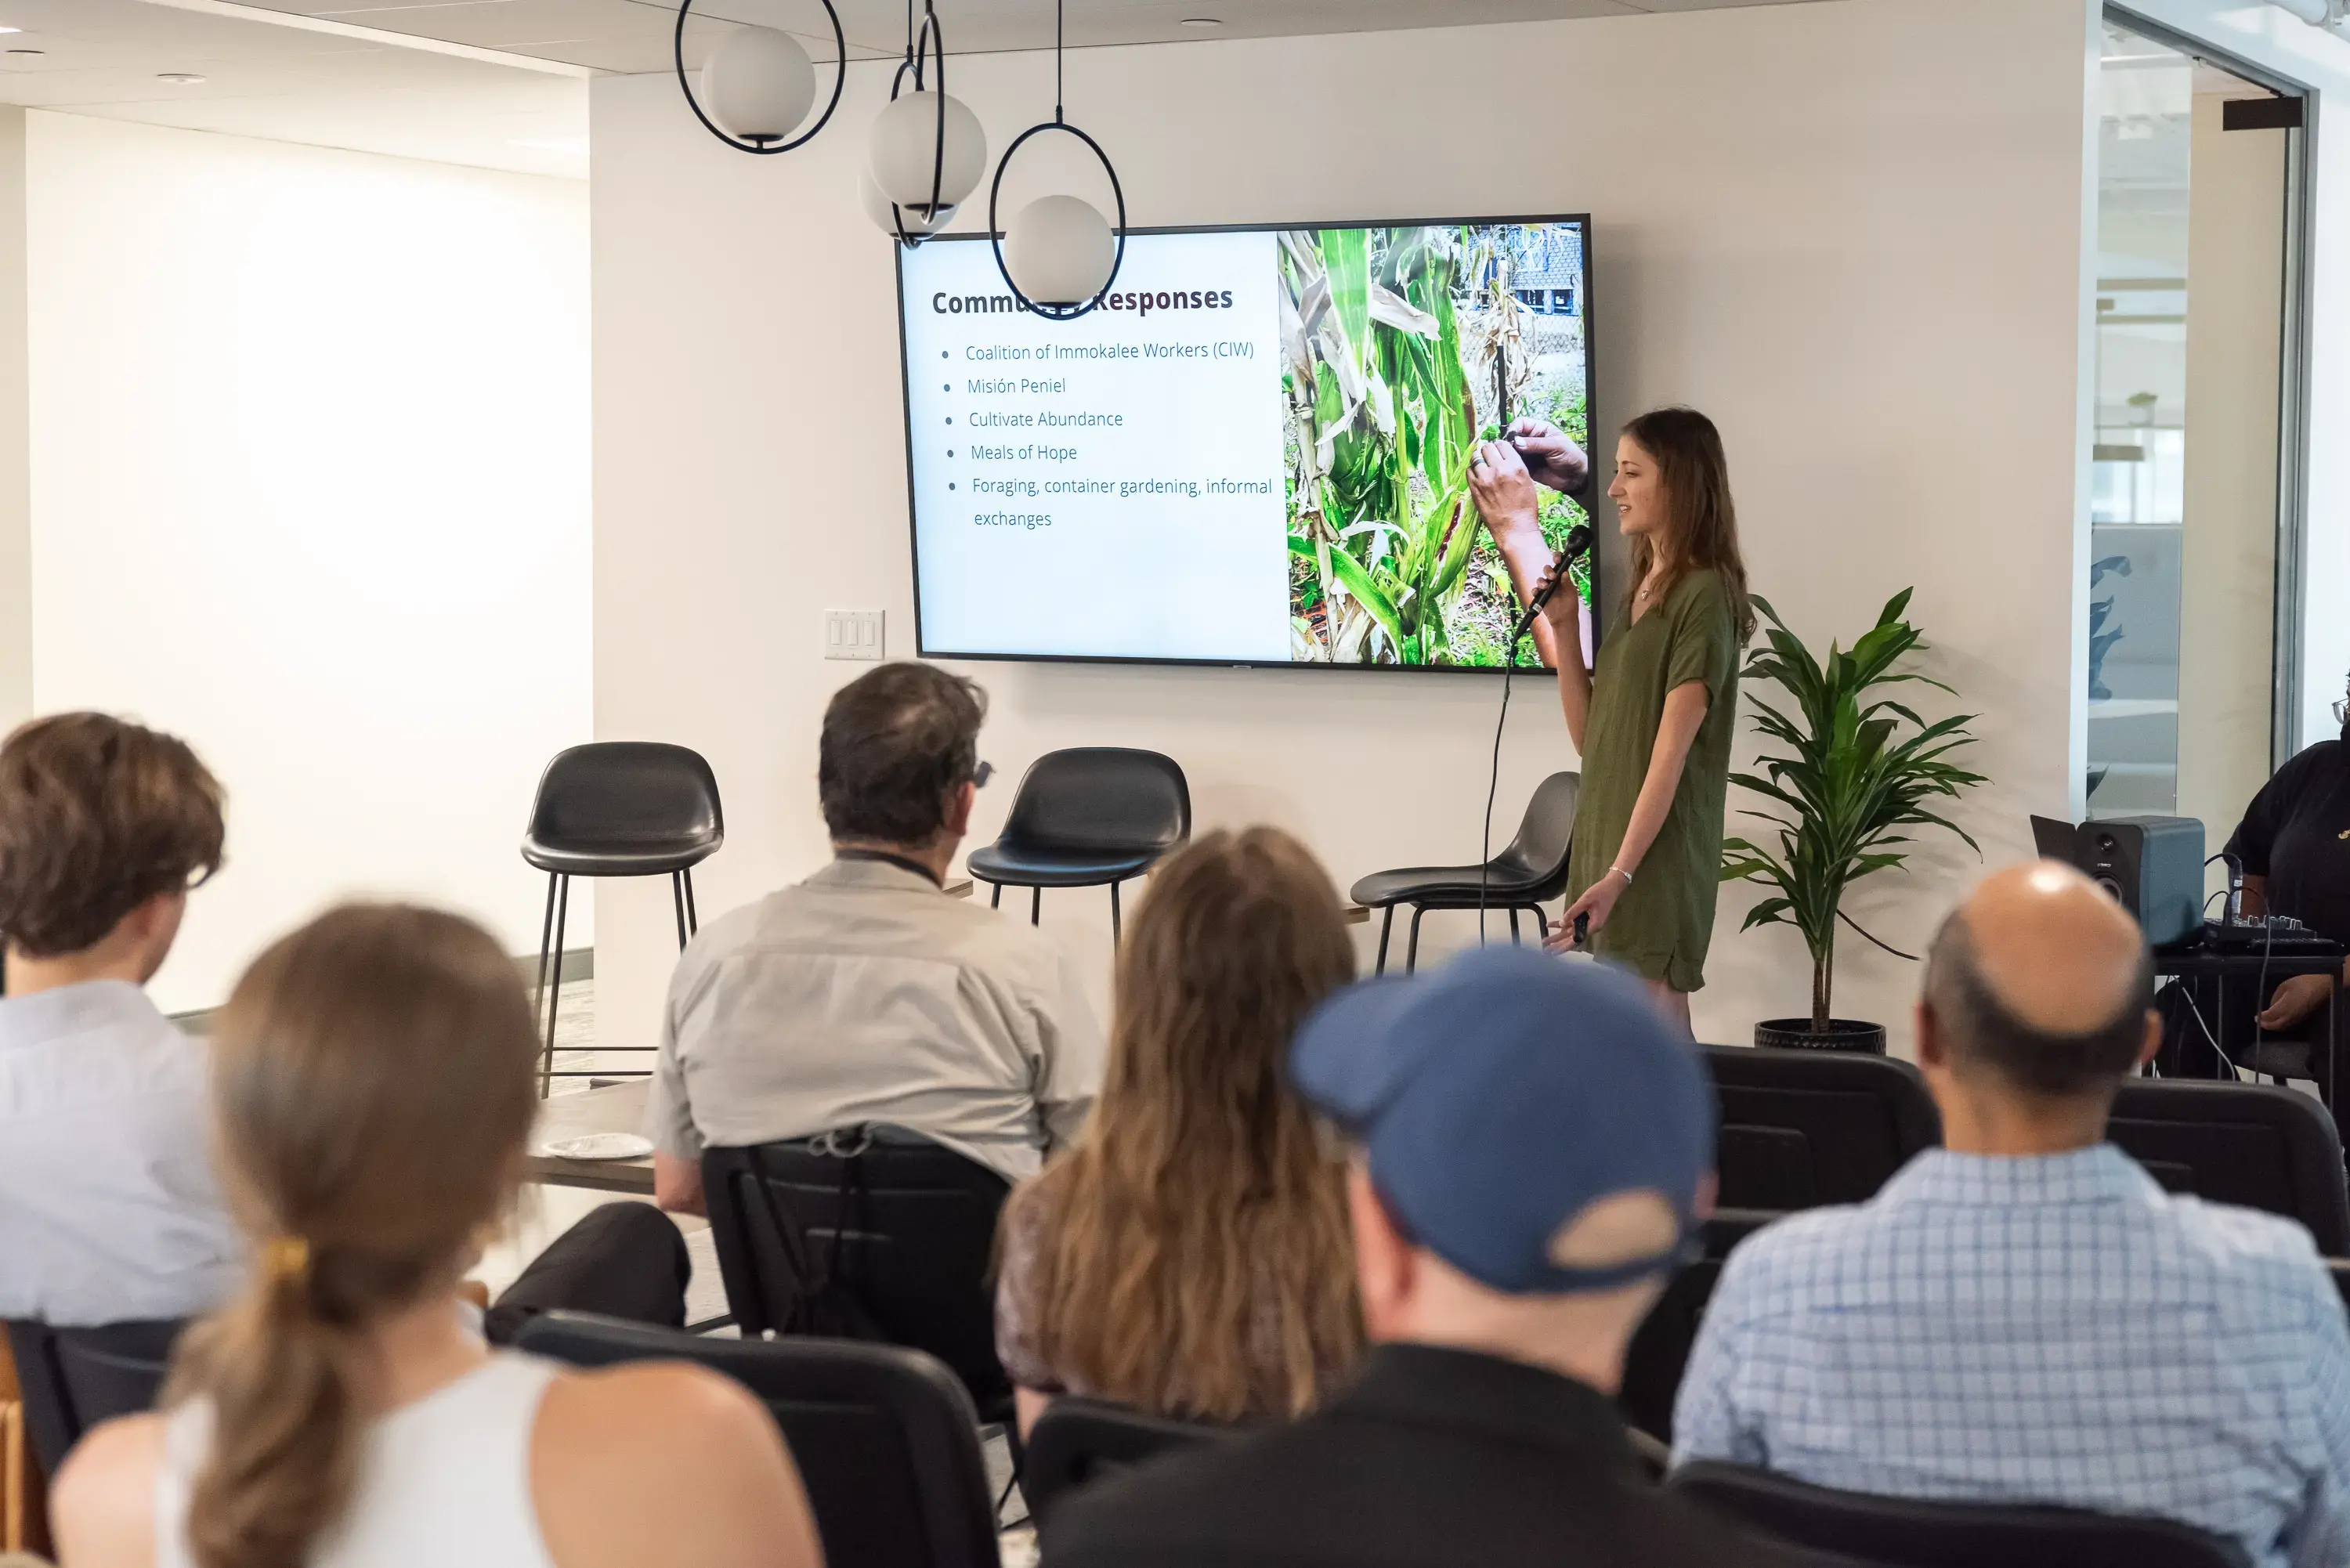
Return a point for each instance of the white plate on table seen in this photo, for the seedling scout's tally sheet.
(599, 1146)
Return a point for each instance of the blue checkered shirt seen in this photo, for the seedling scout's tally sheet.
(2054, 1330)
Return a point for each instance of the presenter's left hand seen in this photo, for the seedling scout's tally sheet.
(2295, 1000)
(1598, 901)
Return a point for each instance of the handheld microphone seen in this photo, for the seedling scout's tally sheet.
(1578, 543)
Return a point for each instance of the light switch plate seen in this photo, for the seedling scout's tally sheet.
(852, 634)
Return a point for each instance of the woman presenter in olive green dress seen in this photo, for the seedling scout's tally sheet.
(1653, 717)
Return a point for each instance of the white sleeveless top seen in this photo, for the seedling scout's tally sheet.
(444, 1480)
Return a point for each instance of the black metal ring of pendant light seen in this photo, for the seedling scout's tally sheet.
(840, 80)
(996, 232)
(928, 43)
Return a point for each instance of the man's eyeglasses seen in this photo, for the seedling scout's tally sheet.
(987, 770)
(2342, 710)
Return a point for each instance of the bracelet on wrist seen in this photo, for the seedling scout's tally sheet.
(1620, 871)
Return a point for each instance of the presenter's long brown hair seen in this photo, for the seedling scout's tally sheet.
(371, 1098)
(1695, 473)
(1195, 1258)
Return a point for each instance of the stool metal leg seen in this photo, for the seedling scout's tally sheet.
(677, 898)
(996, 896)
(1036, 906)
(1411, 948)
(545, 935)
(1516, 940)
(1387, 925)
(693, 915)
(1116, 936)
(554, 991)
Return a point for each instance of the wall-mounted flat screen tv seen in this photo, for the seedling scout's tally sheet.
(1255, 451)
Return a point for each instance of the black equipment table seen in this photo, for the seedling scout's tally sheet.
(2206, 963)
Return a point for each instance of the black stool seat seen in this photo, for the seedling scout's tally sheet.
(618, 857)
(1024, 868)
(1529, 873)
(616, 808)
(1088, 817)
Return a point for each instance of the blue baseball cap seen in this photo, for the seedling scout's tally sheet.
(1499, 1097)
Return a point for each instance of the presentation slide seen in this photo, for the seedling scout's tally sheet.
(1254, 451)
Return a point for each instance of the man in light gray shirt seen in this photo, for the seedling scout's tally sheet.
(864, 994)
(109, 1211)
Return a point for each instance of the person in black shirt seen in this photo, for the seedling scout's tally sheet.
(1533, 1152)
(2293, 846)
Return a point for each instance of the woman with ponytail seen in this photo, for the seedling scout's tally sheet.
(372, 1096)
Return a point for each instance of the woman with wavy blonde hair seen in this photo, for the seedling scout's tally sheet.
(1189, 1255)
(372, 1093)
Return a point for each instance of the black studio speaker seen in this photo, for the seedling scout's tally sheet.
(2152, 865)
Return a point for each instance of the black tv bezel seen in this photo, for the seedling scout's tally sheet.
(1588, 496)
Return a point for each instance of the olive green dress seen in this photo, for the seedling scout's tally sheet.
(1664, 921)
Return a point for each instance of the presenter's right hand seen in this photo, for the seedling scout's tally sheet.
(1504, 494)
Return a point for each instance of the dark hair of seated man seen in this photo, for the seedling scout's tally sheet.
(895, 743)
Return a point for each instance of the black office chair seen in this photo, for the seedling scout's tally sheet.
(885, 1439)
(2340, 1268)
(1076, 1442)
(1090, 816)
(1530, 873)
(1659, 1351)
(1896, 1533)
(1800, 1128)
(2248, 1144)
(616, 808)
(74, 1378)
(847, 1234)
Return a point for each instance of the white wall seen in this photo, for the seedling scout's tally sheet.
(1851, 231)
(2268, 38)
(309, 487)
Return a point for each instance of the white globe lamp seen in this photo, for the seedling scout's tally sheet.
(904, 158)
(904, 219)
(758, 84)
(1059, 251)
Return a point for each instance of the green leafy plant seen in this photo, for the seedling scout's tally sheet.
(1389, 338)
(1857, 775)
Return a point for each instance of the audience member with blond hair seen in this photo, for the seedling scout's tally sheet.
(373, 1097)
(1189, 1256)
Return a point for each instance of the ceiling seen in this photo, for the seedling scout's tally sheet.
(635, 36)
(502, 84)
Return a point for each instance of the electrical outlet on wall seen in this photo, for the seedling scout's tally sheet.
(852, 634)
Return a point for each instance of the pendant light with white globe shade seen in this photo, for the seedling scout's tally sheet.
(758, 84)
(926, 152)
(1058, 254)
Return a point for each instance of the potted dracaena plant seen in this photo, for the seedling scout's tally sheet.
(1857, 774)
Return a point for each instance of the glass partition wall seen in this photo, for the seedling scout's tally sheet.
(2194, 481)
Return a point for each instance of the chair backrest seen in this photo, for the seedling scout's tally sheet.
(1800, 1128)
(74, 1378)
(1660, 1347)
(885, 1439)
(1544, 832)
(2249, 1144)
(1076, 1442)
(1101, 799)
(908, 1230)
(625, 793)
(1898, 1533)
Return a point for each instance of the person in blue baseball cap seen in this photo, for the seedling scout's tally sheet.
(1532, 1147)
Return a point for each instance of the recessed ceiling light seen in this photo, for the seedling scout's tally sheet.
(179, 78)
(8, 29)
(1203, 22)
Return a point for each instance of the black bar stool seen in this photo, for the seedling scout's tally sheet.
(616, 808)
(1087, 817)
(1526, 876)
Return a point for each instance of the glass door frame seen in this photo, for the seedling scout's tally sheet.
(2293, 362)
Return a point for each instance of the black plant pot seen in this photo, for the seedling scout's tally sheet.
(1842, 1034)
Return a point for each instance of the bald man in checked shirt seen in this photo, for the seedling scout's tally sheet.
(2024, 1316)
